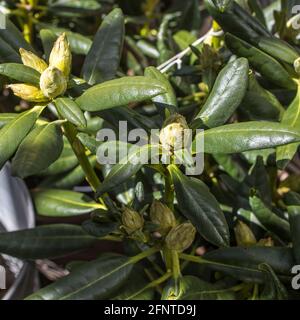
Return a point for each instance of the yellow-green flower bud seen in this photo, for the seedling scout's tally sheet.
(132, 221)
(268, 242)
(297, 65)
(243, 234)
(31, 60)
(61, 56)
(175, 133)
(162, 216)
(27, 92)
(53, 83)
(181, 237)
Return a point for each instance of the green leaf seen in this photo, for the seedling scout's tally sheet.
(46, 241)
(95, 280)
(291, 117)
(266, 65)
(67, 161)
(243, 263)
(184, 39)
(119, 92)
(269, 219)
(89, 142)
(222, 4)
(63, 203)
(99, 230)
(69, 110)
(75, 7)
(294, 218)
(5, 118)
(245, 136)
(125, 169)
(48, 38)
(20, 73)
(12, 36)
(227, 94)
(38, 150)
(168, 99)
(273, 289)
(198, 205)
(12, 134)
(193, 288)
(79, 44)
(102, 61)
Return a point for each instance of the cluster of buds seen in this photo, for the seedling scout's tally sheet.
(175, 134)
(54, 78)
(162, 216)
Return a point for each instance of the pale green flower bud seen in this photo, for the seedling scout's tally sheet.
(297, 65)
(53, 83)
(267, 242)
(31, 60)
(132, 221)
(162, 216)
(181, 237)
(28, 92)
(61, 56)
(243, 234)
(175, 133)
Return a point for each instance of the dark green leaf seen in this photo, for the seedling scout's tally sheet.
(20, 73)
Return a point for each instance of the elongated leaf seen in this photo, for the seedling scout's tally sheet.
(167, 100)
(75, 7)
(67, 161)
(70, 111)
(7, 53)
(199, 206)
(290, 117)
(294, 218)
(193, 288)
(99, 230)
(63, 203)
(103, 59)
(226, 95)
(20, 73)
(39, 150)
(262, 62)
(5, 118)
(99, 279)
(46, 241)
(119, 92)
(243, 263)
(270, 220)
(245, 136)
(12, 134)
(125, 169)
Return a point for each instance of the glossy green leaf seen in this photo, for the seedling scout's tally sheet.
(291, 117)
(125, 169)
(227, 93)
(269, 219)
(245, 136)
(63, 203)
(95, 280)
(98, 229)
(294, 219)
(75, 7)
(243, 263)
(199, 206)
(67, 161)
(69, 110)
(20, 73)
(46, 241)
(119, 92)
(103, 59)
(168, 99)
(48, 38)
(267, 66)
(38, 150)
(12, 134)
(5, 118)
(89, 142)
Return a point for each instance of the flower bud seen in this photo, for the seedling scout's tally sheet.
(61, 57)
(132, 221)
(31, 60)
(175, 134)
(243, 234)
(181, 237)
(53, 83)
(27, 92)
(161, 215)
(297, 65)
(268, 242)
